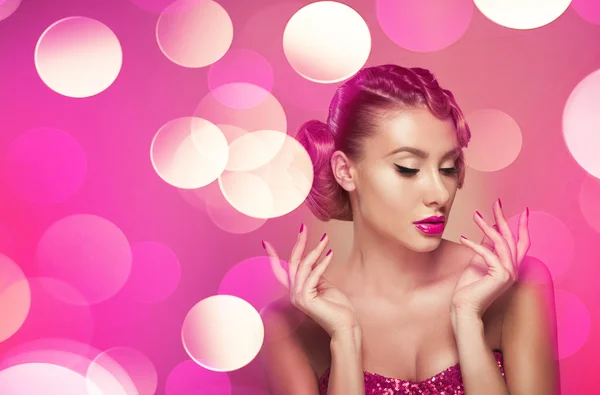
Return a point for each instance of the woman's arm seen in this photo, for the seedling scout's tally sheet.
(346, 375)
(528, 341)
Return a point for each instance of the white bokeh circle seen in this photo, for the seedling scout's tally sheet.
(327, 41)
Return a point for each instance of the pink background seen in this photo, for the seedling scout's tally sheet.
(528, 74)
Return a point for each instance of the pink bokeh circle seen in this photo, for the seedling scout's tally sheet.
(194, 33)
(327, 41)
(15, 297)
(258, 33)
(253, 280)
(132, 370)
(64, 352)
(496, 140)
(268, 114)
(87, 251)
(45, 165)
(589, 10)
(573, 323)
(424, 25)
(551, 241)
(189, 378)
(49, 379)
(155, 272)
(241, 65)
(589, 196)
(581, 122)
(222, 333)
(8, 7)
(78, 57)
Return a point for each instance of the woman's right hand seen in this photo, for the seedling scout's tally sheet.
(310, 292)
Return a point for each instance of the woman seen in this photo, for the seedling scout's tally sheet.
(409, 312)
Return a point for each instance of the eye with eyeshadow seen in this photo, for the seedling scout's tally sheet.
(407, 171)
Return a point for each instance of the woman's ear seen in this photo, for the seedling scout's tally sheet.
(342, 170)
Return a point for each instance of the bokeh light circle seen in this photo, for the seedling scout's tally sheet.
(496, 140)
(189, 378)
(581, 123)
(78, 57)
(573, 323)
(48, 313)
(411, 24)
(222, 333)
(551, 241)
(15, 297)
(189, 152)
(589, 196)
(327, 41)
(269, 114)
(155, 272)
(275, 189)
(194, 33)
(50, 379)
(589, 10)
(87, 251)
(8, 7)
(131, 369)
(254, 281)
(522, 14)
(45, 165)
(238, 66)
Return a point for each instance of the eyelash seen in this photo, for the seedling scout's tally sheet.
(406, 171)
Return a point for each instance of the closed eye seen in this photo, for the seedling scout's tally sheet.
(409, 171)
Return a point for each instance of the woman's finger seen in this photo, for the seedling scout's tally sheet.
(491, 259)
(306, 265)
(504, 229)
(314, 276)
(500, 244)
(297, 252)
(524, 239)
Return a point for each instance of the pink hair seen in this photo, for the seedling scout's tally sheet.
(352, 118)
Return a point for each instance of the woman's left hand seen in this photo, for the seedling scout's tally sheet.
(502, 253)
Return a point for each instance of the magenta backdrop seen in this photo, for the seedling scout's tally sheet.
(98, 167)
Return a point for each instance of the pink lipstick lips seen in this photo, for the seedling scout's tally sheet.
(431, 225)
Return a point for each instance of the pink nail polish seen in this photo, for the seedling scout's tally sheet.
(328, 252)
(463, 237)
(500, 202)
(323, 237)
(301, 228)
(263, 244)
(478, 213)
(527, 210)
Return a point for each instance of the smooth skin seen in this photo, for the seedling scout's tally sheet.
(415, 297)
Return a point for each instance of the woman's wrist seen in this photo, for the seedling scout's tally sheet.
(347, 340)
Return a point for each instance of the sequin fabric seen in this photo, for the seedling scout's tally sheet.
(447, 382)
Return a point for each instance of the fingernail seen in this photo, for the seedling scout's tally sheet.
(264, 245)
(463, 237)
(500, 202)
(301, 228)
(323, 237)
(328, 252)
(527, 210)
(478, 213)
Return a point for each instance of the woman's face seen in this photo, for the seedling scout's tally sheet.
(408, 174)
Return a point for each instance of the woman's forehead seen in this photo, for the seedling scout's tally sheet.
(414, 128)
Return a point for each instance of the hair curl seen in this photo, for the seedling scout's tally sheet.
(353, 114)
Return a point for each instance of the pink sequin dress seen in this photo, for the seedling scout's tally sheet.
(447, 382)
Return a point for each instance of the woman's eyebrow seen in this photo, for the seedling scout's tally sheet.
(420, 153)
